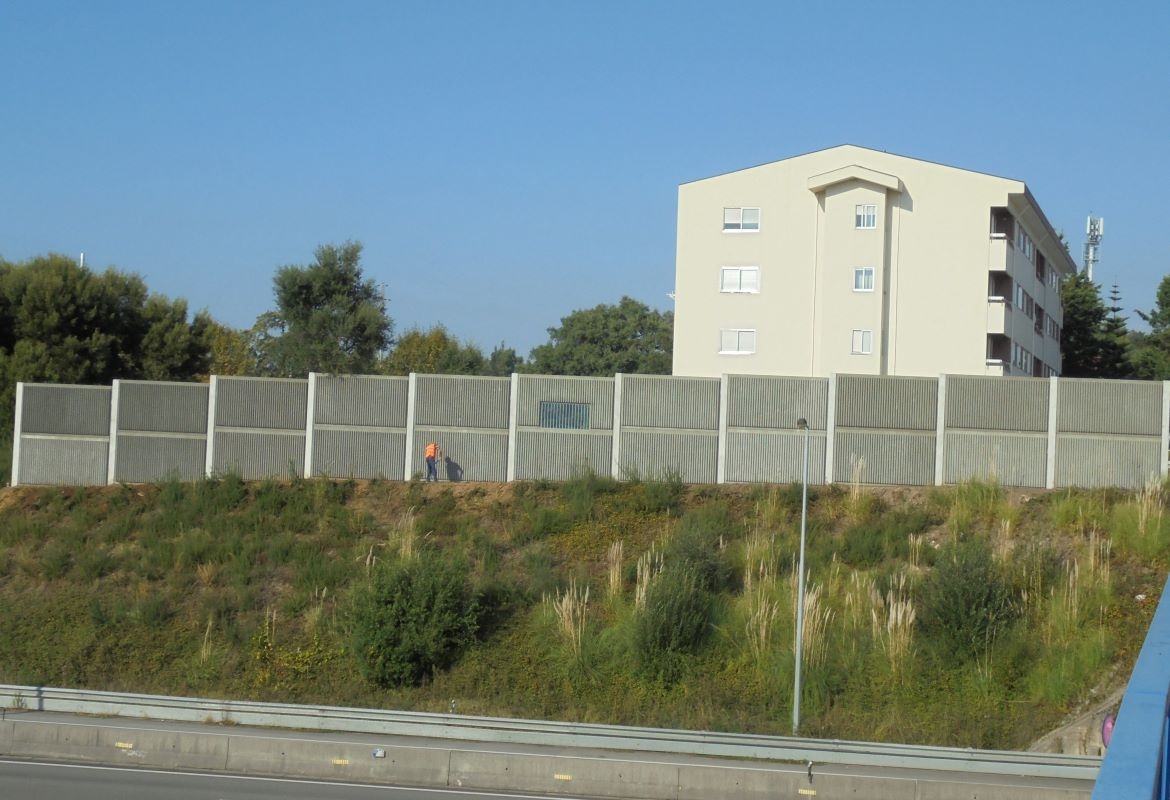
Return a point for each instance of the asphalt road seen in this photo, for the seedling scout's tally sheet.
(40, 781)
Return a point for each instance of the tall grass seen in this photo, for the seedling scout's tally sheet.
(571, 608)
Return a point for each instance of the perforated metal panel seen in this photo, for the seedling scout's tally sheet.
(145, 458)
(271, 403)
(67, 410)
(773, 456)
(454, 401)
(361, 401)
(887, 403)
(467, 455)
(1124, 461)
(1018, 459)
(255, 455)
(1114, 407)
(658, 401)
(63, 462)
(755, 401)
(889, 457)
(558, 455)
(347, 453)
(997, 404)
(654, 454)
(162, 407)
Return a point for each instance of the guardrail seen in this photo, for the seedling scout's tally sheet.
(554, 734)
(1135, 765)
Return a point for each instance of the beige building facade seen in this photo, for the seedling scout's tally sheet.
(850, 260)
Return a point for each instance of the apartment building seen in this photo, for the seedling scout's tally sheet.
(850, 260)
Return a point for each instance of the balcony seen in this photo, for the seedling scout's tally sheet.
(999, 250)
(999, 312)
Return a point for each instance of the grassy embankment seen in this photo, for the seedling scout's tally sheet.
(964, 615)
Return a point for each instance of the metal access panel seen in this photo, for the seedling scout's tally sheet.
(64, 436)
(997, 404)
(1013, 459)
(1128, 462)
(560, 454)
(655, 454)
(162, 431)
(773, 456)
(595, 393)
(467, 455)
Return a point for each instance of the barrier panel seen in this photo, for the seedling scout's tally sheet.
(867, 429)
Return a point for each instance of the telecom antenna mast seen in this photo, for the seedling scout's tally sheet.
(1094, 230)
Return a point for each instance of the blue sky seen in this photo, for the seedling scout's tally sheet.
(505, 163)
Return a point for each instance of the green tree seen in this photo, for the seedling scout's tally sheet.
(61, 322)
(414, 618)
(231, 351)
(1150, 352)
(328, 318)
(628, 337)
(503, 361)
(433, 352)
(1092, 345)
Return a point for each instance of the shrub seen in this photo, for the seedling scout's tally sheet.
(662, 495)
(966, 600)
(582, 490)
(413, 618)
(698, 546)
(675, 622)
(869, 543)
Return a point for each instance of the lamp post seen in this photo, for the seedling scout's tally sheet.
(802, 424)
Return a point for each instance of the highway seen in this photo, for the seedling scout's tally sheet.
(27, 779)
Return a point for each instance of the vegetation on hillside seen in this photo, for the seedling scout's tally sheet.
(965, 615)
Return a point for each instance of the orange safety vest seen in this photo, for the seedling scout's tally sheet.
(432, 450)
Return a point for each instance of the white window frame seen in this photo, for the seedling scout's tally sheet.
(859, 279)
(725, 272)
(733, 220)
(861, 343)
(865, 216)
(744, 338)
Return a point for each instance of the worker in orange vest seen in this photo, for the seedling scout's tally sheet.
(433, 454)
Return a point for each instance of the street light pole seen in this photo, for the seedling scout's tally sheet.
(802, 424)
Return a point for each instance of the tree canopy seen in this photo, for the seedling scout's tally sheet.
(62, 323)
(1094, 339)
(328, 318)
(629, 337)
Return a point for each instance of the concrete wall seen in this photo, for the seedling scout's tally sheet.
(1028, 432)
(366, 760)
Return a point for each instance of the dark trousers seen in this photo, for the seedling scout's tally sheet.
(432, 473)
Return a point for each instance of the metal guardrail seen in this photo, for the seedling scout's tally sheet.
(554, 734)
(1136, 764)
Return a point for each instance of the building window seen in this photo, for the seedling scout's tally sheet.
(1025, 244)
(737, 341)
(739, 279)
(741, 219)
(863, 279)
(865, 216)
(862, 343)
(557, 414)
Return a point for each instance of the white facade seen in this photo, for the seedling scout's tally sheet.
(851, 260)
